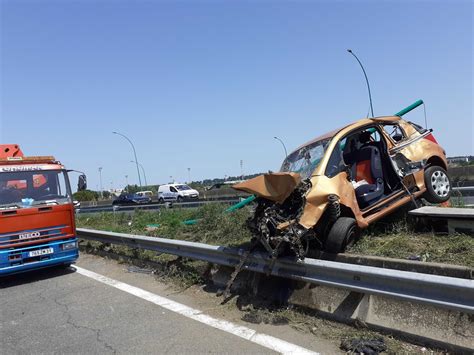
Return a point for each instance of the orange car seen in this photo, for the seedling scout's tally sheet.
(333, 186)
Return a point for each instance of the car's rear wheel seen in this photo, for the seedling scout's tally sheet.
(342, 234)
(438, 185)
(160, 200)
(180, 199)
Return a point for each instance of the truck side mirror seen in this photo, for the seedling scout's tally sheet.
(82, 183)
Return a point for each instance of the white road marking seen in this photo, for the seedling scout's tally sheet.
(249, 334)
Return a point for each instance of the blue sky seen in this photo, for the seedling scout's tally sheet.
(205, 84)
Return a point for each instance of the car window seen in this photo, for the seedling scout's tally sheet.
(336, 162)
(395, 132)
(418, 127)
(172, 189)
(305, 160)
(183, 187)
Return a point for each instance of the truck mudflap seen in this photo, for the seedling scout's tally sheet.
(38, 256)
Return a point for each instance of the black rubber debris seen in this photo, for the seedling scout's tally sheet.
(364, 346)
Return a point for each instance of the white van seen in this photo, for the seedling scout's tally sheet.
(176, 192)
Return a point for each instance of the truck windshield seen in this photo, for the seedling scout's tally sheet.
(29, 188)
(304, 160)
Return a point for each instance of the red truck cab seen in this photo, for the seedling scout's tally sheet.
(37, 225)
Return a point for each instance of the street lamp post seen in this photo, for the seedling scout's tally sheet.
(100, 180)
(143, 170)
(366, 79)
(283, 144)
(134, 153)
(189, 175)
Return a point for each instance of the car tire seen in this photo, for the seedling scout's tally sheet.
(65, 266)
(438, 185)
(179, 199)
(342, 233)
(160, 200)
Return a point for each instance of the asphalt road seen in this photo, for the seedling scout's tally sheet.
(63, 311)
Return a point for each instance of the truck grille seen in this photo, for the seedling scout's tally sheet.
(13, 239)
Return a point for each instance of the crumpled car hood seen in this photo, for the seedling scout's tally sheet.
(273, 186)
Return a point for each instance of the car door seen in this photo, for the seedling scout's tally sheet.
(399, 144)
(174, 193)
(166, 194)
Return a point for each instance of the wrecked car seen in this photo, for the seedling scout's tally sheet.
(339, 183)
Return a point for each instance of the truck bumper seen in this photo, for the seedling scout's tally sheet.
(38, 256)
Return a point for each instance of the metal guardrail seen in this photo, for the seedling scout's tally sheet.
(448, 292)
(204, 197)
(193, 204)
(463, 188)
(151, 206)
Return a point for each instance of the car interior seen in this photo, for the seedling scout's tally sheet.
(366, 156)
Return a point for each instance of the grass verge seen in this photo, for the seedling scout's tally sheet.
(215, 226)
(398, 240)
(393, 238)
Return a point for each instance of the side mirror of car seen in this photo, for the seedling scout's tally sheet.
(397, 137)
(82, 183)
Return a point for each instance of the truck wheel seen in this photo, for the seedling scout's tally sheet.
(342, 233)
(438, 185)
(179, 199)
(160, 200)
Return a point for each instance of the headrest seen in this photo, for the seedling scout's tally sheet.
(364, 137)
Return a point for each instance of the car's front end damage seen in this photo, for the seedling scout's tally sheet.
(288, 213)
(280, 204)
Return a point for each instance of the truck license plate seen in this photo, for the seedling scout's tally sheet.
(41, 252)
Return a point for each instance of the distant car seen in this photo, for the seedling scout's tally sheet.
(145, 193)
(131, 199)
(176, 192)
(343, 181)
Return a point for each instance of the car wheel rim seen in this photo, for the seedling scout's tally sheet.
(440, 183)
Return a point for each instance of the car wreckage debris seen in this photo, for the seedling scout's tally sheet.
(236, 272)
(276, 225)
(364, 346)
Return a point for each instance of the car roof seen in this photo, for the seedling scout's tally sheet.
(359, 123)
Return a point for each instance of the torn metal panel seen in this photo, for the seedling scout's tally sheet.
(317, 199)
(273, 186)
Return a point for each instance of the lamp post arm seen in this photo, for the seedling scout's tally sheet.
(134, 154)
(366, 79)
(283, 144)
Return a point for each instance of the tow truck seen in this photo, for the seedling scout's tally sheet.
(37, 226)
